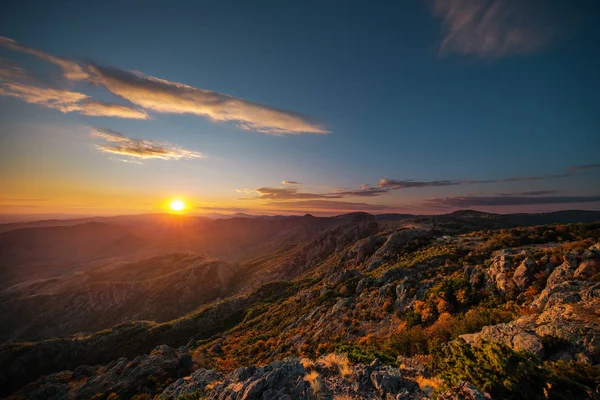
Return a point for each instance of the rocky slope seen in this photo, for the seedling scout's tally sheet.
(507, 313)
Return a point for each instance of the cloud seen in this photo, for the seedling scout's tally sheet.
(175, 98)
(67, 101)
(327, 205)
(71, 69)
(395, 184)
(580, 168)
(247, 191)
(224, 209)
(364, 191)
(530, 193)
(118, 143)
(270, 193)
(290, 183)
(491, 28)
(11, 72)
(163, 96)
(489, 201)
(388, 185)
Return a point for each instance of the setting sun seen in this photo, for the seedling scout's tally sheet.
(176, 205)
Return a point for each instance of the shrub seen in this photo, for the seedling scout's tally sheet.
(570, 379)
(364, 354)
(492, 367)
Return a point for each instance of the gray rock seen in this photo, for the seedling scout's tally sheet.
(524, 273)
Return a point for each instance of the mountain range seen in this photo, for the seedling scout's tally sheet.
(356, 305)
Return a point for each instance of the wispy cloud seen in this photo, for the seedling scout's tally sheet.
(327, 205)
(395, 184)
(491, 28)
(71, 70)
(271, 193)
(11, 72)
(118, 143)
(67, 101)
(175, 98)
(530, 193)
(164, 96)
(580, 168)
(287, 193)
(224, 209)
(290, 183)
(491, 201)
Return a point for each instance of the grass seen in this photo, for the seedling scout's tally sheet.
(339, 362)
(313, 380)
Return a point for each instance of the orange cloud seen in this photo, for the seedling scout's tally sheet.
(118, 143)
(71, 69)
(67, 101)
(175, 98)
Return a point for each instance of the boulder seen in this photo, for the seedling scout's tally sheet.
(587, 269)
(524, 273)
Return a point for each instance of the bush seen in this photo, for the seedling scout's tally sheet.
(572, 380)
(492, 367)
(364, 354)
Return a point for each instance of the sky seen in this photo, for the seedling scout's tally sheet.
(320, 107)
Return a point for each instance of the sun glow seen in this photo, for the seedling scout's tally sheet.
(177, 205)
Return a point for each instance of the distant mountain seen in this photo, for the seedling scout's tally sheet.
(158, 289)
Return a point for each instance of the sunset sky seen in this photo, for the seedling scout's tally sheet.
(275, 107)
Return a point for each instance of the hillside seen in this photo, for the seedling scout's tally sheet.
(452, 306)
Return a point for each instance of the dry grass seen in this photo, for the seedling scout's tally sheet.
(433, 383)
(307, 363)
(339, 361)
(343, 397)
(313, 380)
(211, 385)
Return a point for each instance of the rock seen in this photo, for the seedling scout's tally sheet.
(562, 273)
(528, 342)
(386, 383)
(464, 391)
(196, 383)
(278, 380)
(524, 273)
(587, 269)
(498, 274)
(517, 335)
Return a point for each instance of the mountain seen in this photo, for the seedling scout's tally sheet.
(463, 305)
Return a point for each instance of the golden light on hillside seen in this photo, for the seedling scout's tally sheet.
(177, 205)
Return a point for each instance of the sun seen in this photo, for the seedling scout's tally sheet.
(176, 205)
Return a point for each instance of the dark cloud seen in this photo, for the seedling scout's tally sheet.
(490, 201)
(389, 185)
(270, 193)
(395, 184)
(327, 205)
(290, 183)
(530, 193)
(583, 167)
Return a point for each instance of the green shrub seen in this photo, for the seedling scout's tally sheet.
(571, 380)
(492, 367)
(363, 354)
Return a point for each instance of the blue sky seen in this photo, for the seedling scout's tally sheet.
(399, 91)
